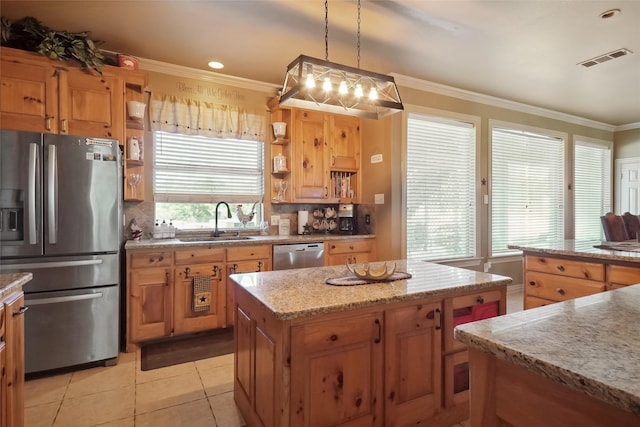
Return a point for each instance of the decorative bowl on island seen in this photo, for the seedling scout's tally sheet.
(372, 271)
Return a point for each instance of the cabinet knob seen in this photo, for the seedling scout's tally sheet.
(351, 247)
(480, 300)
(560, 267)
(560, 291)
(532, 283)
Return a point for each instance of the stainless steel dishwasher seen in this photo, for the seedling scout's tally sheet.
(300, 255)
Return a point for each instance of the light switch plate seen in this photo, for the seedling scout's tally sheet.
(379, 199)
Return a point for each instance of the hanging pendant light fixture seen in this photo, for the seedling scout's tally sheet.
(318, 84)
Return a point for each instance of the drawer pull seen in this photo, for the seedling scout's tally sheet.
(379, 325)
(260, 264)
(480, 300)
(560, 267)
(20, 311)
(560, 291)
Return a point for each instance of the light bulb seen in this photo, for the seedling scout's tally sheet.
(327, 84)
(310, 83)
(343, 88)
(373, 94)
(358, 93)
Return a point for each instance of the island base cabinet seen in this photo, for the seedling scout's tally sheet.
(260, 368)
(413, 391)
(336, 372)
(503, 394)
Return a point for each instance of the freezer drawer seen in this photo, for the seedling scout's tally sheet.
(68, 328)
(59, 273)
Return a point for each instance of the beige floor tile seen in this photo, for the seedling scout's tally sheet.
(193, 414)
(100, 379)
(161, 373)
(97, 408)
(213, 362)
(46, 390)
(125, 422)
(217, 379)
(225, 411)
(41, 415)
(165, 392)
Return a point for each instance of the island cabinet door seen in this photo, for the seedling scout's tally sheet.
(413, 364)
(336, 372)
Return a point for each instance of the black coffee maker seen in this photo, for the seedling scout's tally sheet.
(347, 219)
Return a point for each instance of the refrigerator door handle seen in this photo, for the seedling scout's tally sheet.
(52, 199)
(55, 300)
(55, 264)
(31, 203)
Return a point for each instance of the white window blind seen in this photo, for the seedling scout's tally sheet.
(441, 200)
(198, 169)
(527, 188)
(592, 188)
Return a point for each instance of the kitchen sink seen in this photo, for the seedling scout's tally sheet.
(214, 239)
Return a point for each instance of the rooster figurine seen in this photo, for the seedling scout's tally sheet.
(245, 218)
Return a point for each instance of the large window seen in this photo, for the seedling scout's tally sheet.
(194, 173)
(441, 196)
(592, 187)
(527, 188)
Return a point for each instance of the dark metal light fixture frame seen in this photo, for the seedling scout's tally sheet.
(347, 88)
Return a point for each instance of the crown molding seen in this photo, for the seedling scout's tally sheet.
(210, 76)
(425, 85)
(629, 126)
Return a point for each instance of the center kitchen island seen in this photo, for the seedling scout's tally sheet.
(378, 354)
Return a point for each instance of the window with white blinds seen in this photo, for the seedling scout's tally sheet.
(193, 173)
(592, 188)
(199, 169)
(527, 188)
(441, 197)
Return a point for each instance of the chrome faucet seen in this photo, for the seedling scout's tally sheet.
(217, 233)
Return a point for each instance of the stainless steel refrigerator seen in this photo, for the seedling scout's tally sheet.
(61, 219)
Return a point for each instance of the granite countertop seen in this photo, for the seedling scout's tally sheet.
(589, 343)
(253, 240)
(291, 294)
(586, 248)
(11, 282)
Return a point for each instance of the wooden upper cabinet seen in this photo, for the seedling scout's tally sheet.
(345, 143)
(42, 95)
(28, 95)
(310, 144)
(91, 105)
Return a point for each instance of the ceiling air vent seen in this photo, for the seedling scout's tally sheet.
(604, 58)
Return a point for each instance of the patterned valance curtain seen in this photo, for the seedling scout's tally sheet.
(170, 113)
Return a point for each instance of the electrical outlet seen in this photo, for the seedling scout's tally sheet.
(275, 219)
(367, 219)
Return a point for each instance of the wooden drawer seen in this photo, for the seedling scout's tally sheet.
(350, 246)
(559, 288)
(151, 259)
(564, 267)
(248, 252)
(533, 302)
(621, 275)
(199, 256)
(187, 271)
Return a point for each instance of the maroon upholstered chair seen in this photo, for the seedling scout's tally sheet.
(614, 229)
(632, 224)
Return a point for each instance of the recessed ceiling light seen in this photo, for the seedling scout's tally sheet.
(609, 13)
(216, 65)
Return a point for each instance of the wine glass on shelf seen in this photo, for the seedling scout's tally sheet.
(283, 185)
(134, 180)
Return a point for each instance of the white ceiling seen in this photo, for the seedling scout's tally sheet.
(520, 50)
